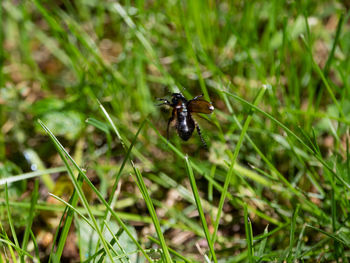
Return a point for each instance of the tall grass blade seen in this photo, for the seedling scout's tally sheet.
(233, 163)
(31, 215)
(77, 187)
(98, 194)
(199, 207)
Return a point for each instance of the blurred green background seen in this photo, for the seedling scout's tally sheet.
(60, 59)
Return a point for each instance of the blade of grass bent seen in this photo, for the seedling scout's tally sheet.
(113, 197)
(74, 209)
(98, 194)
(199, 207)
(142, 187)
(233, 161)
(78, 188)
(81, 215)
(4, 234)
(126, 158)
(18, 249)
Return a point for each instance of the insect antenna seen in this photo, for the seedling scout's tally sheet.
(181, 91)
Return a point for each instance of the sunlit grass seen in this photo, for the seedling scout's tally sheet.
(78, 87)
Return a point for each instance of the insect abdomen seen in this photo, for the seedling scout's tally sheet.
(185, 125)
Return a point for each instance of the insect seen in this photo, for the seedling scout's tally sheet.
(182, 114)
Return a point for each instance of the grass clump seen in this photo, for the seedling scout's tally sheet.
(87, 174)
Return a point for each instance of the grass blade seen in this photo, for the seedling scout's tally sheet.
(292, 232)
(66, 219)
(233, 162)
(100, 197)
(26, 176)
(31, 215)
(290, 133)
(263, 243)
(249, 235)
(9, 217)
(142, 186)
(172, 251)
(77, 187)
(149, 204)
(199, 206)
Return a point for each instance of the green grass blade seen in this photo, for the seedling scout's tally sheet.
(9, 217)
(290, 133)
(77, 187)
(17, 248)
(292, 232)
(115, 240)
(66, 219)
(148, 201)
(324, 80)
(233, 162)
(36, 247)
(100, 197)
(82, 216)
(73, 209)
(142, 187)
(333, 236)
(262, 245)
(31, 215)
(172, 251)
(113, 197)
(27, 176)
(298, 249)
(4, 234)
(335, 43)
(249, 235)
(199, 207)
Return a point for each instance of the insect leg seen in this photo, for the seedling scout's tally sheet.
(169, 121)
(200, 136)
(165, 102)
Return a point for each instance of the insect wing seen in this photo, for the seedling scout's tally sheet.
(200, 106)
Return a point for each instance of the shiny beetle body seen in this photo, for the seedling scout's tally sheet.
(182, 114)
